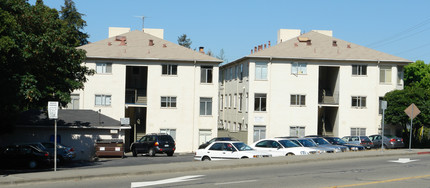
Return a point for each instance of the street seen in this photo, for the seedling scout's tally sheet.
(387, 171)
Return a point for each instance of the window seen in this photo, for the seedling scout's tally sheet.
(74, 102)
(169, 69)
(246, 102)
(399, 75)
(205, 106)
(103, 100)
(239, 127)
(236, 72)
(298, 68)
(358, 102)
(298, 100)
(226, 101)
(260, 71)
(234, 100)
(103, 68)
(239, 103)
(168, 102)
(385, 75)
(359, 69)
(259, 133)
(234, 128)
(241, 72)
(358, 131)
(206, 74)
(297, 131)
(260, 102)
(171, 132)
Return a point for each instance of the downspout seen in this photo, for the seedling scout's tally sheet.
(270, 89)
(194, 106)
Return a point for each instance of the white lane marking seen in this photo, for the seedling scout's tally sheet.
(166, 181)
(233, 182)
(403, 160)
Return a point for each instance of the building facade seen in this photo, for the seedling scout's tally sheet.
(159, 86)
(309, 84)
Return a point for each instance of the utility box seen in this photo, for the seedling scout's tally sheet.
(110, 148)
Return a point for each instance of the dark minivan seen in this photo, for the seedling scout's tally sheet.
(154, 143)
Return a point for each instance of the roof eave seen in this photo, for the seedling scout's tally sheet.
(154, 59)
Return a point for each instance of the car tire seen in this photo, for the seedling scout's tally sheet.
(206, 158)
(289, 154)
(151, 152)
(169, 153)
(244, 157)
(32, 164)
(134, 152)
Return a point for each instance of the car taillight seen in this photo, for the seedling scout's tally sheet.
(401, 139)
(72, 149)
(156, 144)
(392, 140)
(46, 154)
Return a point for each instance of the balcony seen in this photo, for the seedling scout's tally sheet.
(135, 96)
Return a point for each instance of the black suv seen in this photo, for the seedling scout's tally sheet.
(154, 143)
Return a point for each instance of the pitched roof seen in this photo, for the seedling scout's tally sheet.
(137, 46)
(321, 48)
(70, 118)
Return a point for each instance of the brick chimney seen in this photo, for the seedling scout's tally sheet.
(202, 49)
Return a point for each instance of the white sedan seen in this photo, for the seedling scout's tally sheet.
(281, 147)
(221, 150)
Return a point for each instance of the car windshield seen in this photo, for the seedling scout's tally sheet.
(288, 143)
(364, 138)
(338, 141)
(242, 146)
(320, 141)
(307, 143)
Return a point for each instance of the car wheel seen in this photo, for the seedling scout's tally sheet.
(32, 164)
(244, 157)
(134, 152)
(170, 154)
(289, 154)
(206, 158)
(151, 152)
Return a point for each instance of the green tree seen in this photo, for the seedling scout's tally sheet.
(75, 24)
(39, 61)
(399, 100)
(184, 41)
(417, 74)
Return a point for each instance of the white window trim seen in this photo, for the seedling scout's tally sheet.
(169, 70)
(360, 99)
(299, 97)
(103, 100)
(169, 102)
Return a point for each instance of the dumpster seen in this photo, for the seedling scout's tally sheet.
(110, 148)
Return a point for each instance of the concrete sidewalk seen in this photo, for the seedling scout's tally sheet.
(106, 172)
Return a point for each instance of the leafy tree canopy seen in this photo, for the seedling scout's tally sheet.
(417, 74)
(38, 56)
(184, 41)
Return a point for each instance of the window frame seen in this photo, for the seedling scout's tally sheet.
(169, 100)
(106, 68)
(207, 106)
(383, 70)
(298, 100)
(169, 69)
(261, 71)
(297, 67)
(206, 74)
(360, 70)
(359, 101)
(103, 100)
(261, 99)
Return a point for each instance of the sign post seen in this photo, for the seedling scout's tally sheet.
(383, 107)
(53, 114)
(412, 111)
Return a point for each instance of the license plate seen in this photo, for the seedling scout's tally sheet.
(166, 145)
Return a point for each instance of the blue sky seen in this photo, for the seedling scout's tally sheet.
(397, 27)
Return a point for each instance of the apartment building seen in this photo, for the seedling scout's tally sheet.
(157, 85)
(307, 84)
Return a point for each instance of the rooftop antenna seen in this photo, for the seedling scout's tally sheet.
(143, 20)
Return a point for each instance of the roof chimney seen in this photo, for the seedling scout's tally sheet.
(151, 42)
(122, 39)
(348, 45)
(201, 49)
(269, 43)
(334, 43)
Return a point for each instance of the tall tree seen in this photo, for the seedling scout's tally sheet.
(39, 61)
(221, 56)
(184, 41)
(75, 23)
(417, 74)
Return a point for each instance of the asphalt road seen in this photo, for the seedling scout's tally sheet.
(361, 172)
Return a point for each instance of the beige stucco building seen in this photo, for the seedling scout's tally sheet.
(160, 86)
(307, 84)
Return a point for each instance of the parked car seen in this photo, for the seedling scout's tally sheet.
(23, 155)
(320, 141)
(307, 142)
(339, 141)
(390, 141)
(281, 147)
(154, 143)
(222, 150)
(204, 145)
(360, 140)
(64, 153)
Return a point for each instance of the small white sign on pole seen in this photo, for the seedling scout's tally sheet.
(53, 109)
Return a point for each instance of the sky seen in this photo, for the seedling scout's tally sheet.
(396, 27)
